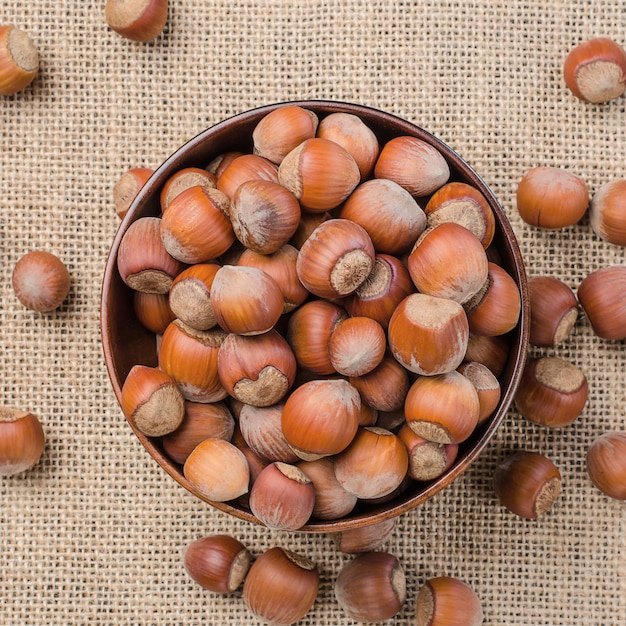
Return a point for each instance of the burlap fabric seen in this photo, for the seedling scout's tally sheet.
(94, 534)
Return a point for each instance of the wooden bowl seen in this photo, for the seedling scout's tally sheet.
(126, 342)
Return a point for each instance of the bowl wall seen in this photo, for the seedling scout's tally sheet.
(126, 342)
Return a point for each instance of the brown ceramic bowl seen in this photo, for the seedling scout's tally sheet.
(127, 343)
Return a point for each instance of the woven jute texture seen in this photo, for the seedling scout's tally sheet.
(94, 534)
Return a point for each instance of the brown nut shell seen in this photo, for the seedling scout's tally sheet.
(127, 187)
(595, 71)
(183, 180)
(138, 20)
(553, 311)
(486, 384)
(427, 459)
(527, 484)
(190, 296)
(371, 587)
(365, 538)
(443, 601)
(22, 441)
(552, 392)
(606, 464)
(607, 212)
(602, 295)
(153, 311)
(357, 346)
(19, 60)
(281, 587)
(218, 563)
(41, 281)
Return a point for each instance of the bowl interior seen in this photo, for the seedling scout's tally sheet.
(126, 342)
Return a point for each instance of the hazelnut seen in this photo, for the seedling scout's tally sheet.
(281, 587)
(414, 164)
(218, 563)
(602, 295)
(527, 484)
(493, 352)
(264, 215)
(428, 335)
(22, 441)
(281, 266)
(308, 333)
(553, 311)
(282, 497)
(607, 212)
(320, 418)
(244, 168)
(189, 356)
(183, 180)
(427, 459)
(377, 297)
(195, 228)
(245, 300)
(138, 20)
(371, 587)
(442, 408)
(357, 346)
(462, 204)
(217, 470)
(351, 132)
(550, 197)
(495, 309)
(552, 392)
(218, 164)
(152, 401)
(444, 600)
(153, 311)
(595, 71)
(142, 261)
(336, 259)
(389, 214)
(332, 501)
(486, 384)
(373, 465)
(190, 296)
(40, 281)
(320, 173)
(201, 421)
(282, 130)
(127, 187)
(19, 60)
(606, 464)
(448, 261)
(385, 387)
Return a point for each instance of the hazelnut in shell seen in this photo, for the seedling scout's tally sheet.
(493, 352)
(281, 587)
(365, 538)
(389, 214)
(527, 484)
(217, 470)
(595, 70)
(245, 300)
(428, 335)
(413, 164)
(152, 401)
(602, 295)
(357, 346)
(218, 563)
(486, 384)
(40, 281)
(607, 212)
(351, 132)
(552, 391)
(550, 197)
(442, 408)
(553, 311)
(282, 130)
(190, 296)
(183, 180)
(264, 215)
(371, 587)
(427, 459)
(320, 418)
(320, 173)
(606, 464)
(448, 261)
(244, 168)
(385, 387)
(127, 187)
(282, 496)
(138, 20)
(336, 259)
(373, 465)
(19, 60)
(377, 297)
(257, 370)
(153, 311)
(444, 600)
(201, 421)
(464, 205)
(22, 441)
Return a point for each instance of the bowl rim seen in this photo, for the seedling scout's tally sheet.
(396, 126)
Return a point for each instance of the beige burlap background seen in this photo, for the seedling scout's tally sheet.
(94, 534)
